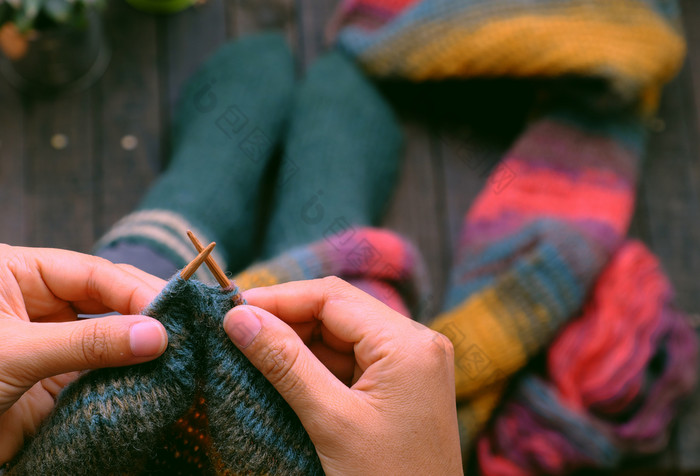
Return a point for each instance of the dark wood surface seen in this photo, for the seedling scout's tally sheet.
(68, 197)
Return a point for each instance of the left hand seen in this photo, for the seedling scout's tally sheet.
(43, 345)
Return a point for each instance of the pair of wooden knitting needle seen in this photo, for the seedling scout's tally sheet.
(203, 257)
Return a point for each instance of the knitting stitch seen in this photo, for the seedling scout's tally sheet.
(598, 400)
(110, 420)
(634, 46)
(530, 253)
(388, 265)
(341, 157)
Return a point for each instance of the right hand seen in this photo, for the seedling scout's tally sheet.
(374, 390)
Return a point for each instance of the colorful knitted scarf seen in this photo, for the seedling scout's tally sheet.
(202, 408)
(544, 241)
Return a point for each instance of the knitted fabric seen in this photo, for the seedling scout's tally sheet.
(228, 121)
(110, 420)
(530, 253)
(341, 157)
(378, 261)
(634, 46)
(202, 408)
(554, 211)
(613, 380)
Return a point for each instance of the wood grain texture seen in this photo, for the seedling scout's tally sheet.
(417, 210)
(60, 182)
(12, 173)
(251, 16)
(127, 141)
(466, 168)
(312, 17)
(670, 179)
(189, 38)
(469, 160)
(675, 209)
(691, 21)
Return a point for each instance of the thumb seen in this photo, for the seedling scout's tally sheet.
(277, 351)
(48, 349)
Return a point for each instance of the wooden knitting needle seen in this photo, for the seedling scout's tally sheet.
(190, 269)
(211, 264)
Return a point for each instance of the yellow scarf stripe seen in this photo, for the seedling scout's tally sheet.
(487, 351)
(624, 41)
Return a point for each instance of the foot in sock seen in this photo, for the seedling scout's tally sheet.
(341, 159)
(231, 114)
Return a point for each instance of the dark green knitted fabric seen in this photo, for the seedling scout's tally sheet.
(230, 117)
(113, 421)
(341, 158)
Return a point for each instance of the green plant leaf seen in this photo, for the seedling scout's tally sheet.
(26, 15)
(58, 10)
(31, 8)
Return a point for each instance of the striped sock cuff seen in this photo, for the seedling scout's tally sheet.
(164, 231)
(355, 254)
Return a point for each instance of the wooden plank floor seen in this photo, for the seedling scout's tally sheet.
(117, 134)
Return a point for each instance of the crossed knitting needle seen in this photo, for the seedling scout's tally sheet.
(203, 257)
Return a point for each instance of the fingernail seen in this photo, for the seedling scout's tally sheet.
(146, 339)
(242, 326)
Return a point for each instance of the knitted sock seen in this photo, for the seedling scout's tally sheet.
(231, 114)
(378, 261)
(341, 157)
(614, 379)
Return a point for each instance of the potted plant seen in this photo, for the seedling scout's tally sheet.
(52, 45)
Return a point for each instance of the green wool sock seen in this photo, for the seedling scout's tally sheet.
(230, 117)
(341, 157)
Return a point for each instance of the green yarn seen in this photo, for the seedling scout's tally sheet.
(229, 119)
(341, 158)
(110, 420)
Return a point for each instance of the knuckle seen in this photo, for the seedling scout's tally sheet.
(334, 283)
(448, 346)
(278, 363)
(100, 261)
(336, 289)
(14, 261)
(129, 268)
(91, 343)
(436, 349)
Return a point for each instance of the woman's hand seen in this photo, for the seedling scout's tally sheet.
(43, 345)
(374, 390)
